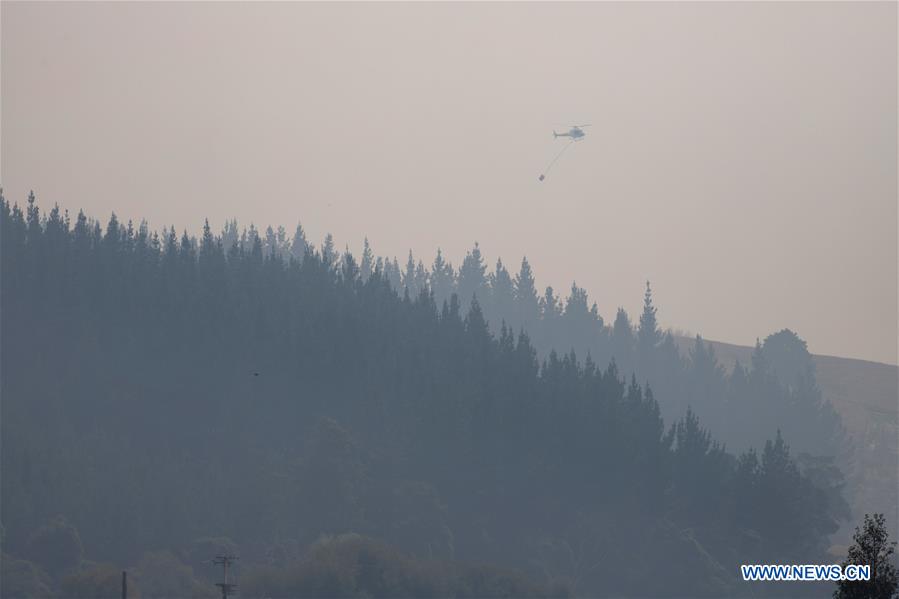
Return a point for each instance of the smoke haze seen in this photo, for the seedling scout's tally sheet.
(742, 155)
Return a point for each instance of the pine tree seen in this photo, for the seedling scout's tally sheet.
(255, 249)
(113, 236)
(367, 265)
(526, 300)
(648, 335)
(393, 275)
(281, 240)
(270, 247)
(298, 245)
(622, 335)
(421, 278)
(207, 243)
(576, 304)
(330, 256)
(550, 307)
(758, 362)
(501, 294)
(409, 283)
(872, 548)
(472, 278)
(33, 220)
(443, 278)
(230, 235)
(475, 323)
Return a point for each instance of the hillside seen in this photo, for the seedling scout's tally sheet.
(866, 395)
(175, 396)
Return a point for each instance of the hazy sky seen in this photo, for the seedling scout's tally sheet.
(742, 155)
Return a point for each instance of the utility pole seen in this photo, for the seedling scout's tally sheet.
(124, 584)
(225, 561)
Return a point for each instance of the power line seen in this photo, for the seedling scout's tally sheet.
(225, 561)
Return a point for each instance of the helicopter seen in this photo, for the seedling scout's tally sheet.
(576, 133)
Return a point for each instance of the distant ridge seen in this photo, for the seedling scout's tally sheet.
(847, 382)
(866, 395)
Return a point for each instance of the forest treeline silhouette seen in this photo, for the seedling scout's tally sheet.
(456, 415)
